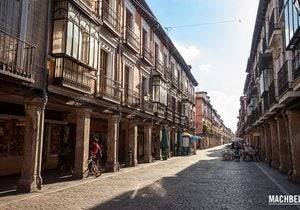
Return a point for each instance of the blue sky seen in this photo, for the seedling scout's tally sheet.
(218, 53)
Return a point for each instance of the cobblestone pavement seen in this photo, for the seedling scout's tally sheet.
(202, 181)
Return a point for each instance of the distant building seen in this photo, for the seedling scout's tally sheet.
(209, 124)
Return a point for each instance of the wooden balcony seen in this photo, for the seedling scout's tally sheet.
(132, 98)
(16, 57)
(110, 88)
(283, 80)
(110, 17)
(132, 40)
(71, 75)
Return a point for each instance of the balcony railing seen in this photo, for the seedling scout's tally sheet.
(272, 94)
(147, 105)
(132, 98)
(147, 54)
(283, 80)
(266, 101)
(67, 75)
(16, 57)
(174, 79)
(132, 39)
(92, 5)
(265, 61)
(159, 65)
(110, 88)
(296, 66)
(110, 16)
(168, 73)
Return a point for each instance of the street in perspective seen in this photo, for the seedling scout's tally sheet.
(149, 104)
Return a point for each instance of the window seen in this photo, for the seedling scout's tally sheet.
(58, 45)
(292, 21)
(103, 62)
(129, 19)
(85, 45)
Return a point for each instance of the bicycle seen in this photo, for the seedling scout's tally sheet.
(94, 166)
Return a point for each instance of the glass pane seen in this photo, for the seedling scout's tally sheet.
(92, 51)
(75, 41)
(69, 38)
(58, 37)
(85, 47)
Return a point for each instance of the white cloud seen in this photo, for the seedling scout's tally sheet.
(190, 53)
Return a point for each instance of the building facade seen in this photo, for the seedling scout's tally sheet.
(270, 113)
(209, 124)
(72, 70)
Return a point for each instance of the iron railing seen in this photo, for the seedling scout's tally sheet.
(110, 16)
(92, 5)
(147, 53)
(283, 80)
(159, 65)
(296, 66)
(132, 98)
(16, 57)
(272, 94)
(266, 101)
(132, 39)
(110, 88)
(168, 73)
(147, 105)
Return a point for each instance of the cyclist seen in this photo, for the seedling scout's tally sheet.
(95, 154)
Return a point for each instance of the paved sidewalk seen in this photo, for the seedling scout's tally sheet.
(202, 181)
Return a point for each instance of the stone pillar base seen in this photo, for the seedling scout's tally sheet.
(283, 169)
(28, 186)
(275, 165)
(112, 167)
(148, 159)
(295, 179)
(79, 174)
(134, 163)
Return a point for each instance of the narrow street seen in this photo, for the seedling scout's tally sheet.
(203, 181)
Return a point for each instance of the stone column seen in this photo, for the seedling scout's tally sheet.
(262, 143)
(112, 164)
(274, 144)
(132, 142)
(82, 142)
(294, 132)
(158, 154)
(148, 143)
(282, 144)
(31, 179)
(268, 143)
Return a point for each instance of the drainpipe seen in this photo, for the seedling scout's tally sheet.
(47, 43)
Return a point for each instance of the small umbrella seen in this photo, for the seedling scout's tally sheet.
(164, 141)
